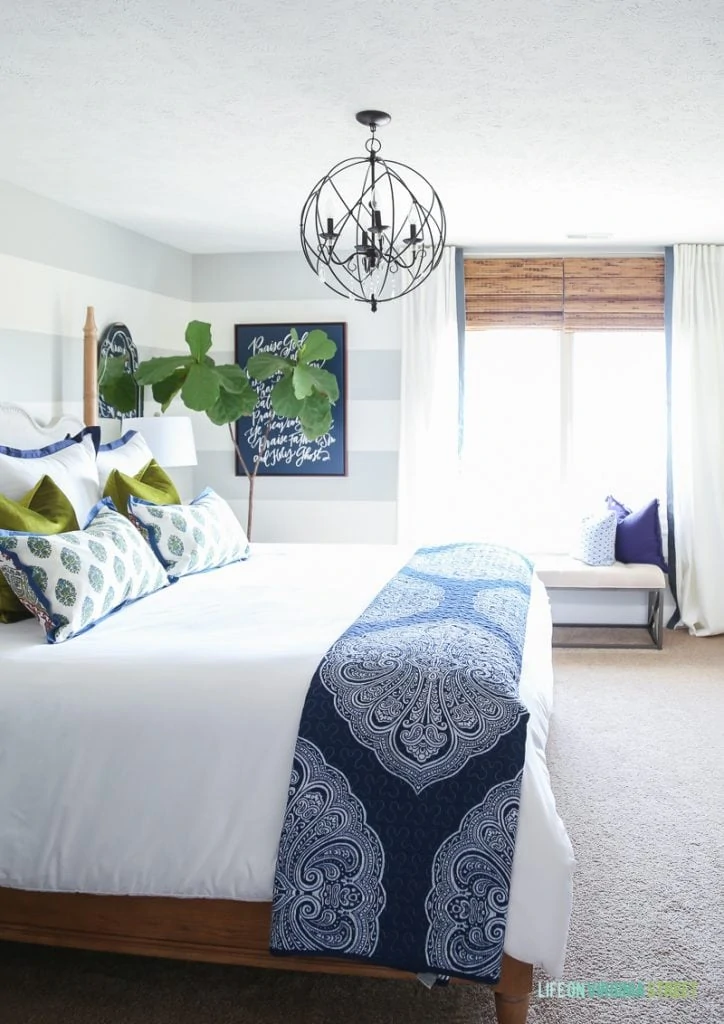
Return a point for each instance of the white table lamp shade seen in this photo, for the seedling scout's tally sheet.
(170, 438)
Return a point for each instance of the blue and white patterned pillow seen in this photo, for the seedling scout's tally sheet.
(191, 538)
(70, 581)
(597, 539)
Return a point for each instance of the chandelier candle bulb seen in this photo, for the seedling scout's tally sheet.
(412, 240)
(363, 258)
(377, 226)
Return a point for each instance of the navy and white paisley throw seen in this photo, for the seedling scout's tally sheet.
(398, 839)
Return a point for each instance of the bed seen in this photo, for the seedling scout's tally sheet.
(146, 764)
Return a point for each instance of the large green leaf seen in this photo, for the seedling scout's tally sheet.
(201, 387)
(232, 378)
(198, 339)
(283, 400)
(120, 392)
(231, 406)
(111, 368)
(151, 371)
(317, 346)
(265, 365)
(303, 381)
(313, 378)
(164, 391)
(315, 416)
(325, 382)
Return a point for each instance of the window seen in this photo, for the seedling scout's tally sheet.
(554, 421)
(618, 416)
(511, 458)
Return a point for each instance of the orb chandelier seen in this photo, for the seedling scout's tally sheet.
(372, 229)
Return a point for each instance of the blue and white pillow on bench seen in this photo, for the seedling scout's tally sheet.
(597, 539)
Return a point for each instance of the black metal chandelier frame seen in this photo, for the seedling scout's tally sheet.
(355, 253)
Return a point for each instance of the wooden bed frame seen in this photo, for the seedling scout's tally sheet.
(216, 931)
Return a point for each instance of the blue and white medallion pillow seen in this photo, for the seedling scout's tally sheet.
(191, 538)
(70, 581)
(597, 539)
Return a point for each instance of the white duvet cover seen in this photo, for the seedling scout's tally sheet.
(151, 755)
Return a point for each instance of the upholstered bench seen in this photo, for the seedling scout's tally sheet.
(561, 572)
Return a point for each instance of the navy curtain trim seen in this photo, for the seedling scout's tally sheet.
(668, 309)
(460, 301)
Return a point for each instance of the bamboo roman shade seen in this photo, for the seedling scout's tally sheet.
(574, 294)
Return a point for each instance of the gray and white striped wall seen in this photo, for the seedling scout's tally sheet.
(55, 261)
(280, 288)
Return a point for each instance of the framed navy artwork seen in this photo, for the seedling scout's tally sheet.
(287, 451)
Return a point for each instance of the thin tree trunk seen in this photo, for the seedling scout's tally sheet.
(250, 506)
(251, 476)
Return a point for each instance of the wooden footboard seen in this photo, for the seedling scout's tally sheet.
(216, 931)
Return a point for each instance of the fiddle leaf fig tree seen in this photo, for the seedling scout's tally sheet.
(304, 391)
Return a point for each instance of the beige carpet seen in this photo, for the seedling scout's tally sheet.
(636, 754)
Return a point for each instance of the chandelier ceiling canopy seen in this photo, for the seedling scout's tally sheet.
(372, 229)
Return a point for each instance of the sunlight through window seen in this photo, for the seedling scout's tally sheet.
(553, 423)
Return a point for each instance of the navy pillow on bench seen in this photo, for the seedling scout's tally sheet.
(638, 534)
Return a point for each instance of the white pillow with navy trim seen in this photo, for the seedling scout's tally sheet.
(71, 581)
(191, 538)
(129, 454)
(597, 539)
(71, 464)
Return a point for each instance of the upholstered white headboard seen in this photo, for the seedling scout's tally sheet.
(18, 429)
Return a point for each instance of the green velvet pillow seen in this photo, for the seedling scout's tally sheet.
(44, 510)
(151, 484)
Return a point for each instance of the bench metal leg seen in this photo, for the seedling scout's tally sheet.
(656, 618)
(654, 626)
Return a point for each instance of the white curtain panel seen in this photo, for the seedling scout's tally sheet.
(697, 447)
(429, 409)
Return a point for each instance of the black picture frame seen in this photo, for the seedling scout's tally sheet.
(289, 453)
(116, 341)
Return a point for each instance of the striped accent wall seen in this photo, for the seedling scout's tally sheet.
(55, 261)
(42, 310)
(280, 288)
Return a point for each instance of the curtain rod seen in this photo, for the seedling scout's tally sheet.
(552, 253)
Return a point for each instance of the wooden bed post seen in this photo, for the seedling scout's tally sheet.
(90, 369)
(512, 993)
(511, 1010)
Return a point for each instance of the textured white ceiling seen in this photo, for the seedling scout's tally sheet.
(204, 123)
